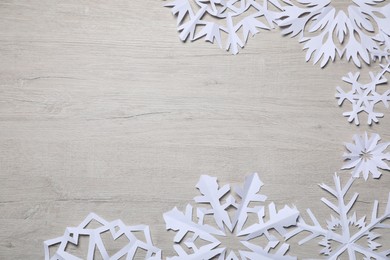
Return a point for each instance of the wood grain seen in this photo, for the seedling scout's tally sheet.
(103, 109)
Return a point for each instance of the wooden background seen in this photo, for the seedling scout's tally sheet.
(103, 109)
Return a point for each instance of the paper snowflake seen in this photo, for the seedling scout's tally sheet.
(327, 31)
(117, 230)
(365, 155)
(212, 18)
(364, 97)
(339, 238)
(192, 230)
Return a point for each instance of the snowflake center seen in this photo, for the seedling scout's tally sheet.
(366, 156)
(341, 5)
(232, 243)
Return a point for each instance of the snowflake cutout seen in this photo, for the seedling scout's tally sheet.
(191, 231)
(346, 222)
(116, 228)
(364, 97)
(227, 16)
(365, 155)
(327, 31)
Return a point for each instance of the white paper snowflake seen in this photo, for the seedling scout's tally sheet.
(327, 31)
(366, 156)
(116, 228)
(339, 237)
(192, 230)
(364, 97)
(211, 18)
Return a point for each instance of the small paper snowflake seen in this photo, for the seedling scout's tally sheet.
(340, 229)
(327, 31)
(366, 156)
(116, 228)
(196, 229)
(364, 97)
(227, 16)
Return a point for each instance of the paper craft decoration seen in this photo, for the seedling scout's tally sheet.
(193, 230)
(327, 31)
(116, 228)
(364, 97)
(340, 228)
(366, 156)
(212, 18)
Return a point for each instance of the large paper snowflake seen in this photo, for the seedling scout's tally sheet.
(364, 97)
(327, 31)
(339, 237)
(366, 156)
(212, 18)
(192, 231)
(116, 228)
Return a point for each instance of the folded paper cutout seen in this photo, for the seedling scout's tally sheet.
(327, 31)
(212, 18)
(340, 229)
(366, 155)
(116, 228)
(192, 230)
(364, 97)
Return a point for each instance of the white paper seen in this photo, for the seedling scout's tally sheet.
(327, 32)
(339, 237)
(117, 229)
(364, 97)
(232, 16)
(366, 155)
(184, 223)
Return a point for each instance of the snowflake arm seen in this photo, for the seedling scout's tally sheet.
(180, 8)
(293, 19)
(212, 195)
(248, 194)
(183, 223)
(250, 26)
(211, 31)
(233, 41)
(286, 217)
(316, 230)
(326, 51)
